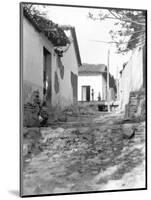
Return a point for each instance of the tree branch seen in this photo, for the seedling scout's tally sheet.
(113, 14)
(114, 42)
(122, 19)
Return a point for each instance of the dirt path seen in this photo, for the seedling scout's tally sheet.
(87, 158)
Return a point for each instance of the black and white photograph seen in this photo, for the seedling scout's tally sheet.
(83, 79)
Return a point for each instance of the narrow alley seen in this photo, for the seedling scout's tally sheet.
(83, 104)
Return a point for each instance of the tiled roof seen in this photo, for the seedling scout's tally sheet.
(92, 69)
(52, 31)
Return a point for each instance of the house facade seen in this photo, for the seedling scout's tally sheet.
(50, 61)
(92, 83)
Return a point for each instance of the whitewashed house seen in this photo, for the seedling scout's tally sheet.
(92, 82)
(50, 60)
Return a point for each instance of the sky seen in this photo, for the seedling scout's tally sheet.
(89, 32)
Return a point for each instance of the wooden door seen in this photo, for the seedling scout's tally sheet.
(86, 93)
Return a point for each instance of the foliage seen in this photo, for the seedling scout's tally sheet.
(38, 17)
(33, 9)
(130, 27)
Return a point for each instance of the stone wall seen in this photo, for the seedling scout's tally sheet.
(136, 107)
(31, 115)
(31, 110)
(34, 109)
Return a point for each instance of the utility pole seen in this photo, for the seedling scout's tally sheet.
(108, 87)
(108, 81)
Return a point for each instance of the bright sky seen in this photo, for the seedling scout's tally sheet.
(87, 31)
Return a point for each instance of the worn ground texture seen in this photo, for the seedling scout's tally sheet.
(92, 154)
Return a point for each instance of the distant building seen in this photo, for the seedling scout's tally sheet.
(50, 61)
(92, 82)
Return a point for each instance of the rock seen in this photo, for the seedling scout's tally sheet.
(25, 132)
(70, 132)
(62, 118)
(83, 130)
(128, 131)
(25, 149)
(110, 123)
(75, 175)
(38, 189)
(46, 131)
(69, 113)
(59, 144)
(59, 130)
(51, 133)
(109, 131)
(31, 133)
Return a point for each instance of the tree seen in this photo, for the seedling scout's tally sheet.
(35, 9)
(37, 15)
(130, 27)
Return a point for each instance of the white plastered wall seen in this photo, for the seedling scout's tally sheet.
(33, 44)
(94, 81)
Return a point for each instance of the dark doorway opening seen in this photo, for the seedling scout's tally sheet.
(86, 93)
(47, 91)
(102, 108)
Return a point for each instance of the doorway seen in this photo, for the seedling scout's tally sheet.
(86, 93)
(47, 91)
